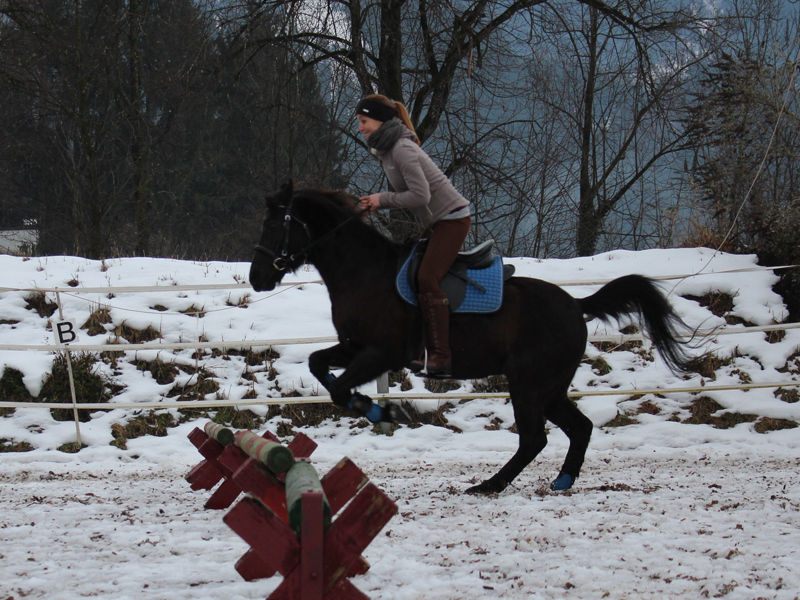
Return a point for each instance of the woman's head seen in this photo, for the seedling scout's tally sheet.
(374, 110)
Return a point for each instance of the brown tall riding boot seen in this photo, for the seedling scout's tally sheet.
(436, 313)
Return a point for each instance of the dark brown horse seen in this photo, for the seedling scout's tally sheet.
(537, 338)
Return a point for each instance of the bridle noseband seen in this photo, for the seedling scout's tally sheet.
(282, 260)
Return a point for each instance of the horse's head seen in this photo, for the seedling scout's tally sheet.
(280, 247)
(297, 221)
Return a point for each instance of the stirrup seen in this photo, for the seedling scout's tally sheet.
(420, 367)
(445, 373)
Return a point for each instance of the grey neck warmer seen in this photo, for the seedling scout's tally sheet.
(386, 136)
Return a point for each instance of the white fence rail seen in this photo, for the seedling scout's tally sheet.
(383, 390)
(128, 347)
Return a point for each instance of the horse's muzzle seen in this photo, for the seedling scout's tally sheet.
(263, 287)
(262, 277)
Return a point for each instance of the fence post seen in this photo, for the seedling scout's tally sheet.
(383, 388)
(71, 379)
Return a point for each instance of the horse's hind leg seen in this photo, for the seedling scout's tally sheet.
(566, 416)
(532, 440)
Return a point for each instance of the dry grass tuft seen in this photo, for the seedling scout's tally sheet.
(441, 386)
(163, 373)
(39, 303)
(136, 336)
(94, 324)
(10, 446)
(436, 417)
(790, 395)
(766, 424)
(71, 448)
(776, 336)
(400, 378)
(621, 420)
(649, 408)
(90, 385)
(629, 346)
(719, 303)
(309, 415)
(238, 419)
(494, 384)
(241, 302)
(193, 311)
(151, 423)
(703, 409)
(198, 388)
(12, 389)
(708, 364)
(599, 365)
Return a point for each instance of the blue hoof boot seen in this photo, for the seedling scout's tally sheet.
(564, 482)
(375, 413)
(364, 405)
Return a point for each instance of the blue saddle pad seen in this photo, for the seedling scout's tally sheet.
(475, 301)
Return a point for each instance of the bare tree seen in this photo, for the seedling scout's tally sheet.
(624, 109)
(457, 66)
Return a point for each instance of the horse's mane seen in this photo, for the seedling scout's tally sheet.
(342, 205)
(338, 198)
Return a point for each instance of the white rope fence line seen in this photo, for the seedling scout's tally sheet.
(168, 346)
(75, 291)
(396, 396)
(135, 288)
(198, 312)
(232, 286)
(125, 347)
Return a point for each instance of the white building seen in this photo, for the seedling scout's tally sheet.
(18, 241)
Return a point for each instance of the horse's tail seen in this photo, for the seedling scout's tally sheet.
(635, 294)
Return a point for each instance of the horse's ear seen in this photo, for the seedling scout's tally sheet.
(282, 196)
(287, 189)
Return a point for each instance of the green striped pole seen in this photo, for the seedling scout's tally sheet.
(222, 434)
(276, 457)
(302, 478)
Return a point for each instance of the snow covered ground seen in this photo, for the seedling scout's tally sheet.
(663, 509)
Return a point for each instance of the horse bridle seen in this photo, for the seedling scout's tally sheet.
(280, 262)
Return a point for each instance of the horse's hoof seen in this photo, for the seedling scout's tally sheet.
(394, 413)
(365, 406)
(563, 482)
(487, 487)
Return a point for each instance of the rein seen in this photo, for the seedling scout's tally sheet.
(280, 263)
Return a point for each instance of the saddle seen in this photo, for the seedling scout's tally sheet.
(474, 284)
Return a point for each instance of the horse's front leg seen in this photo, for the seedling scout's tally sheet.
(360, 367)
(321, 361)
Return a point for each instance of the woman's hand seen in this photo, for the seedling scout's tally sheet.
(371, 203)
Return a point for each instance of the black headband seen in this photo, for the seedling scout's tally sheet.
(376, 110)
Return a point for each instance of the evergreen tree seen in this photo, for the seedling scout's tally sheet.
(745, 123)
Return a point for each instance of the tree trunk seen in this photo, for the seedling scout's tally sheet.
(588, 230)
(96, 246)
(135, 118)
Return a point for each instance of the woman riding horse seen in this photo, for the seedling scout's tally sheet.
(536, 338)
(421, 187)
